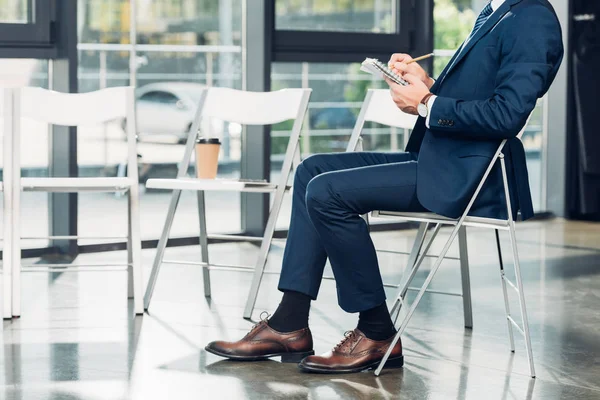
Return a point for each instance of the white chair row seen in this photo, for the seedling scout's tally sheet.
(229, 105)
(64, 109)
(248, 108)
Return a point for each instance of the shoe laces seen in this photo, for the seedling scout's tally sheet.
(349, 337)
(264, 317)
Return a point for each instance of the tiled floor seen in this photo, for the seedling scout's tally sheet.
(78, 340)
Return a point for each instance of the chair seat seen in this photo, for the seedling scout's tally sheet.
(71, 185)
(223, 185)
(435, 218)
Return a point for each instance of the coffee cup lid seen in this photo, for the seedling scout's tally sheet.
(204, 140)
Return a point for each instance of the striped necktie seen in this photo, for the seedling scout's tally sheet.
(482, 19)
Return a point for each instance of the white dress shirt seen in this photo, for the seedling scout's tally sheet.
(495, 5)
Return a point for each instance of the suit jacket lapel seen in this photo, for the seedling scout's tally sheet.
(494, 19)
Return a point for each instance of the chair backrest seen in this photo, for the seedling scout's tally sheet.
(253, 108)
(379, 107)
(71, 109)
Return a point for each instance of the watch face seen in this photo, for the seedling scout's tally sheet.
(423, 110)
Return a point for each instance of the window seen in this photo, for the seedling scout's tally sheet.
(182, 47)
(340, 30)
(26, 22)
(376, 16)
(16, 12)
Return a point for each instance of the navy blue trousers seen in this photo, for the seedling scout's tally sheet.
(331, 191)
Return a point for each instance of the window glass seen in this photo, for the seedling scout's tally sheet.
(16, 12)
(337, 15)
(183, 46)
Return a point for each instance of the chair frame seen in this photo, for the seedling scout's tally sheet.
(59, 109)
(459, 229)
(180, 183)
(7, 193)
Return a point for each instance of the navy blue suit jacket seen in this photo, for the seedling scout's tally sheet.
(485, 95)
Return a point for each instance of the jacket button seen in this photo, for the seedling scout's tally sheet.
(441, 121)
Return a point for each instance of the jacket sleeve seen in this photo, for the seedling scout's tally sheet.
(529, 60)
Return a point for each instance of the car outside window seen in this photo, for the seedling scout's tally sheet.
(159, 97)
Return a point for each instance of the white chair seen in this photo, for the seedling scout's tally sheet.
(7, 189)
(459, 225)
(69, 109)
(246, 108)
(378, 107)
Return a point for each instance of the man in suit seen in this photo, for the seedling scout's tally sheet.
(484, 95)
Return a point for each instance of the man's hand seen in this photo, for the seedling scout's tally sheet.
(407, 98)
(399, 64)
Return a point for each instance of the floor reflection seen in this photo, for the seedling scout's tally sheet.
(78, 339)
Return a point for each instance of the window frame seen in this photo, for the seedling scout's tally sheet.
(339, 46)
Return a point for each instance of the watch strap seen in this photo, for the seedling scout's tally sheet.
(426, 98)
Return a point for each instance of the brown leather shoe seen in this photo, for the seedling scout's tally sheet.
(263, 342)
(354, 353)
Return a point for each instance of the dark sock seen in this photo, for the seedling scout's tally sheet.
(292, 313)
(376, 323)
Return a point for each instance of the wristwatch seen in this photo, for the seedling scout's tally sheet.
(422, 107)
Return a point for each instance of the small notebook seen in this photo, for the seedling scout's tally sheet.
(375, 67)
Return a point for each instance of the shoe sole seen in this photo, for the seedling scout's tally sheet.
(397, 362)
(285, 357)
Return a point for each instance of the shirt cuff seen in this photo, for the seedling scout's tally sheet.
(429, 108)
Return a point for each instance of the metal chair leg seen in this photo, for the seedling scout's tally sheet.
(411, 311)
(402, 292)
(136, 278)
(524, 318)
(6, 278)
(517, 264)
(16, 253)
(204, 242)
(261, 262)
(160, 249)
(465, 277)
(412, 260)
(511, 334)
(130, 294)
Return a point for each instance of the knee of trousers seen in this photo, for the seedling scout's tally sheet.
(320, 194)
(307, 170)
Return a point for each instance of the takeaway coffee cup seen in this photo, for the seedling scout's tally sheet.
(207, 157)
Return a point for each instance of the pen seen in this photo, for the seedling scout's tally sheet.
(426, 56)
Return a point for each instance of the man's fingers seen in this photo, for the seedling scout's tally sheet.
(399, 57)
(401, 67)
(390, 82)
(412, 79)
